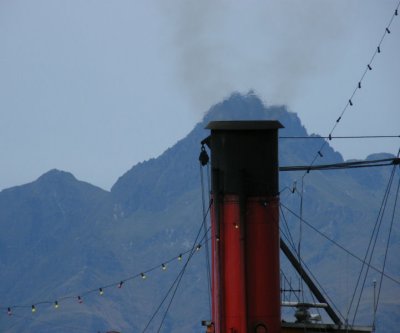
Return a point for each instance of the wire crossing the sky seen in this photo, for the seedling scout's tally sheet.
(339, 245)
(79, 297)
(358, 86)
(345, 165)
(342, 137)
(350, 101)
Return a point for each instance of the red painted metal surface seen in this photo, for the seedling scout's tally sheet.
(245, 226)
(262, 263)
(246, 265)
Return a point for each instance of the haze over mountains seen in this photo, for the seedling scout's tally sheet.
(62, 237)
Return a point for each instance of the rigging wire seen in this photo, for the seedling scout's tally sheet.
(180, 276)
(96, 290)
(207, 251)
(340, 246)
(177, 286)
(386, 250)
(309, 271)
(178, 279)
(162, 302)
(291, 289)
(319, 152)
(350, 103)
(300, 236)
(373, 239)
(290, 239)
(358, 86)
(342, 137)
(343, 165)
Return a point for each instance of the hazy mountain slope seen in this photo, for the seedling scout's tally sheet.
(61, 236)
(48, 242)
(339, 203)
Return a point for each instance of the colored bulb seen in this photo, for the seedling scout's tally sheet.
(9, 312)
(180, 257)
(80, 300)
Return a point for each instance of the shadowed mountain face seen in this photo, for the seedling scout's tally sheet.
(165, 178)
(62, 238)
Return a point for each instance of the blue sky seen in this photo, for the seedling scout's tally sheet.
(96, 86)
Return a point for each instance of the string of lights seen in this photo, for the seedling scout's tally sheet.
(175, 285)
(180, 276)
(163, 266)
(79, 297)
(350, 102)
(197, 245)
(359, 84)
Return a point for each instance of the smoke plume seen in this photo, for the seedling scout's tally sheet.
(269, 46)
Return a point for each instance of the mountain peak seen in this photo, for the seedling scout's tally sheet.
(55, 177)
(57, 174)
(249, 106)
(164, 178)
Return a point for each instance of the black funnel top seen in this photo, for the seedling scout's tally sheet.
(244, 157)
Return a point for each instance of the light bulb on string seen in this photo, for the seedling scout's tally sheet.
(163, 267)
(56, 305)
(180, 257)
(80, 300)
(143, 276)
(33, 309)
(236, 225)
(198, 247)
(120, 284)
(9, 312)
(101, 291)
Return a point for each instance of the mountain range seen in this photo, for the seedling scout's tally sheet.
(63, 238)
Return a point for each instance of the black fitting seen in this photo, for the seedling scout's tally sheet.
(203, 158)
